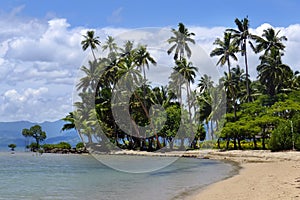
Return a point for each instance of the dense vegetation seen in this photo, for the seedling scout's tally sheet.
(261, 112)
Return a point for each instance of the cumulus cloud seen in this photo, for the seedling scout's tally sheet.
(32, 104)
(40, 60)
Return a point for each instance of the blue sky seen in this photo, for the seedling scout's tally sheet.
(138, 13)
(41, 55)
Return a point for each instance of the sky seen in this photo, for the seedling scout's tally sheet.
(40, 51)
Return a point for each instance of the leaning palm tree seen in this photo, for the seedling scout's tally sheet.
(72, 123)
(92, 78)
(181, 37)
(242, 35)
(269, 40)
(226, 49)
(90, 41)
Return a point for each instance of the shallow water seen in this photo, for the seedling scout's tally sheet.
(73, 177)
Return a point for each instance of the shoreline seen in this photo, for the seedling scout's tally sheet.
(263, 175)
(258, 174)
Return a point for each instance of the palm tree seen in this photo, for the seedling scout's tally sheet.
(242, 35)
(111, 46)
(188, 73)
(272, 72)
(205, 83)
(127, 48)
(92, 78)
(70, 119)
(90, 41)
(269, 40)
(226, 49)
(142, 59)
(180, 38)
(205, 100)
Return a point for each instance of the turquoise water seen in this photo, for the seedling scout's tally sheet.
(72, 177)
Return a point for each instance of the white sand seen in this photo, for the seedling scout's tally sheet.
(264, 176)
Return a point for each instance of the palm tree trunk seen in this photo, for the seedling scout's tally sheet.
(189, 107)
(247, 74)
(229, 70)
(93, 54)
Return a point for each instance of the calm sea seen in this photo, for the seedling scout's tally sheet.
(72, 177)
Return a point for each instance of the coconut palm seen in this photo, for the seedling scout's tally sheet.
(205, 83)
(127, 48)
(188, 73)
(142, 58)
(92, 78)
(90, 41)
(226, 49)
(242, 35)
(269, 40)
(181, 38)
(272, 72)
(111, 46)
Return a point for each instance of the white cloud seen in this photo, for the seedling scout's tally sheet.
(39, 61)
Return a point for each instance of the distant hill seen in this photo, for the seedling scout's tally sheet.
(11, 132)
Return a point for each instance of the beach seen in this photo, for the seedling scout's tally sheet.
(263, 176)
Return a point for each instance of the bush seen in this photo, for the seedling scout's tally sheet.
(79, 145)
(48, 147)
(61, 145)
(33, 146)
(281, 138)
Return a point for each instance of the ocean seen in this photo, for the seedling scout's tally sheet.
(28, 176)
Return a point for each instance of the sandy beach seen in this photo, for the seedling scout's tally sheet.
(263, 176)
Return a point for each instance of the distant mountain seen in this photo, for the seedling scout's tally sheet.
(11, 132)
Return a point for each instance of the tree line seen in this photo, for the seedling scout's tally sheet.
(261, 112)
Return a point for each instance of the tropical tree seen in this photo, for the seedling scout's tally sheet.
(90, 41)
(269, 40)
(226, 49)
(188, 73)
(35, 132)
(242, 35)
(92, 78)
(272, 72)
(181, 38)
(111, 46)
(12, 146)
(143, 58)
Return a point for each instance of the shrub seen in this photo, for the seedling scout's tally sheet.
(79, 145)
(281, 138)
(63, 145)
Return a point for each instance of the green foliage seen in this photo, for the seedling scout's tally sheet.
(12, 146)
(36, 133)
(281, 138)
(33, 146)
(255, 110)
(79, 145)
(61, 145)
(64, 145)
